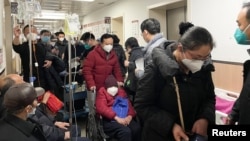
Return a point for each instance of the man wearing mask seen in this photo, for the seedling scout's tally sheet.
(45, 39)
(40, 60)
(61, 43)
(100, 63)
(20, 101)
(241, 109)
(89, 43)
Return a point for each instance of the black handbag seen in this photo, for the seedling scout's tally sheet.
(191, 136)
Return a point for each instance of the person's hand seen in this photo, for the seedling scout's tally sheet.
(179, 133)
(80, 72)
(77, 59)
(120, 84)
(128, 119)
(45, 98)
(66, 135)
(122, 121)
(17, 31)
(229, 121)
(126, 63)
(62, 125)
(47, 63)
(93, 88)
(200, 127)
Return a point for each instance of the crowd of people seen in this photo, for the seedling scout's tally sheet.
(170, 98)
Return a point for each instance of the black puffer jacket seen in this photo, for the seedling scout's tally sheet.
(121, 57)
(51, 132)
(131, 82)
(241, 111)
(156, 100)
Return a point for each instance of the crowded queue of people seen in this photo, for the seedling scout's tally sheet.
(155, 105)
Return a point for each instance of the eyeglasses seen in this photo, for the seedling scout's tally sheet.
(195, 56)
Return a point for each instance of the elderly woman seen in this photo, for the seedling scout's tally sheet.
(161, 101)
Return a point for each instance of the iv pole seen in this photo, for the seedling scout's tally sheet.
(30, 54)
(70, 87)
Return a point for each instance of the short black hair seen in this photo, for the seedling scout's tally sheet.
(116, 39)
(106, 36)
(44, 31)
(87, 35)
(151, 25)
(184, 26)
(26, 26)
(131, 42)
(60, 32)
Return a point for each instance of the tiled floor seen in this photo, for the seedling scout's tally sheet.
(81, 122)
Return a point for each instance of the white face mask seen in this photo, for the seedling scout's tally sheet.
(73, 42)
(31, 36)
(33, 112)
(192, 65)
(108, 48)
(61, 39)
(112, 91)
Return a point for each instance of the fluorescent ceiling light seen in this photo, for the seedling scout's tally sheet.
(84, 0)
(50, 15)
(44, 21)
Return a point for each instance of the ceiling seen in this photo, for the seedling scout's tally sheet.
(53, 11)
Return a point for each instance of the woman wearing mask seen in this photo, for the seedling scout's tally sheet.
(117, 112)
(135, 53)
(188, 62)
(20, 102)
(101, 62)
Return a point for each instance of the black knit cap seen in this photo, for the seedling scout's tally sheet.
(110, 82)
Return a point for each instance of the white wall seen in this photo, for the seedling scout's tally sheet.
(219, 17)
(129, 9)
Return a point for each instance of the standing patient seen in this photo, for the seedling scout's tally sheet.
(118, 114)
(156, 97)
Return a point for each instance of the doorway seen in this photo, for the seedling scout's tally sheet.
(117, 28)
(169, 14)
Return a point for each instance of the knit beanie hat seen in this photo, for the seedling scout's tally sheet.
(110, 82)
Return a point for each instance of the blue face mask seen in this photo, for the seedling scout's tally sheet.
(241, 37)
(45, 39)
(86, 46)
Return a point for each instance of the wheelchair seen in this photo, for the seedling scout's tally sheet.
(94, 126)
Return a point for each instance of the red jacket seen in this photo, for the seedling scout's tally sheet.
(105, 101)
(97, 67)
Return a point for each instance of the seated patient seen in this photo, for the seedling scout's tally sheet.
(19, 102)
(54, 130)
(113, 105)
